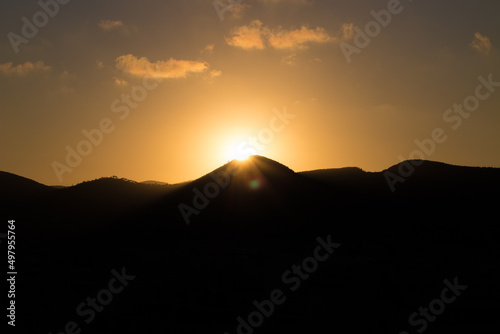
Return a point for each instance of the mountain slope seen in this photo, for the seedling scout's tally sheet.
(244, 190)
(15, 186)
(256, 229)
(258, 187)
(437, 179)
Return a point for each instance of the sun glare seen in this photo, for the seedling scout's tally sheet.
(241, 156)
(236, 152)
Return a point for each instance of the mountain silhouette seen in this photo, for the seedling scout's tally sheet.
(266, 181)
(247, 190)
(15, 186)
(249, 223)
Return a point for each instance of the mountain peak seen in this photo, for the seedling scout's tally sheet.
(261, 162)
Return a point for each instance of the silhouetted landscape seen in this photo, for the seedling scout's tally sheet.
(198, 254)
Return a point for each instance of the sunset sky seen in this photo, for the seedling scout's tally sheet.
(174, 91)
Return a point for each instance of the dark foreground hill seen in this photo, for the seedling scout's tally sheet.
(18, 187)
(254, 247)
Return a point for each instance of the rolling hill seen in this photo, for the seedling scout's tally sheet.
(250, 225)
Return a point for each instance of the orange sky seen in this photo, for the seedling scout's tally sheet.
(167, 91)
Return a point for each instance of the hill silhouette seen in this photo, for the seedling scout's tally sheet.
(254, 191)
(263, 176)
(15, 186)
(258, 219)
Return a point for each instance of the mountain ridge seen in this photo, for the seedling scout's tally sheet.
(246, 235)
(6, 177)
(256, 187)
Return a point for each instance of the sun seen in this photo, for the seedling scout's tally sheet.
(240, 156)
(239, 151)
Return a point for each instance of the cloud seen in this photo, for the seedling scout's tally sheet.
(347, 31)
(120, 82)
(209, 49)
(239, 10)
(211, 76)
(215, 73)
(296, 39)
(299, 2)
(23, 69)
(256, 36)
(114, 25)
(66, 78)
(290, 59)
(111, 24)
(171, 68)
(247, 37)
(239, 7)
(481, 43)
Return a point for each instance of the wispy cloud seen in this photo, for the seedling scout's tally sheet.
(289, 59)
(347, 31)
(239, 10)
(120, 82)
(215, 73)
(256, 36)
(23, 69)
(170, 68)
(110, 24)
(298, 38)
(288, 2)
(211, 76)
(209, 49)
(481, 43)
(247, 37)
(115, 25)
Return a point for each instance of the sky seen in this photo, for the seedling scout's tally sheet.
(170, 90)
